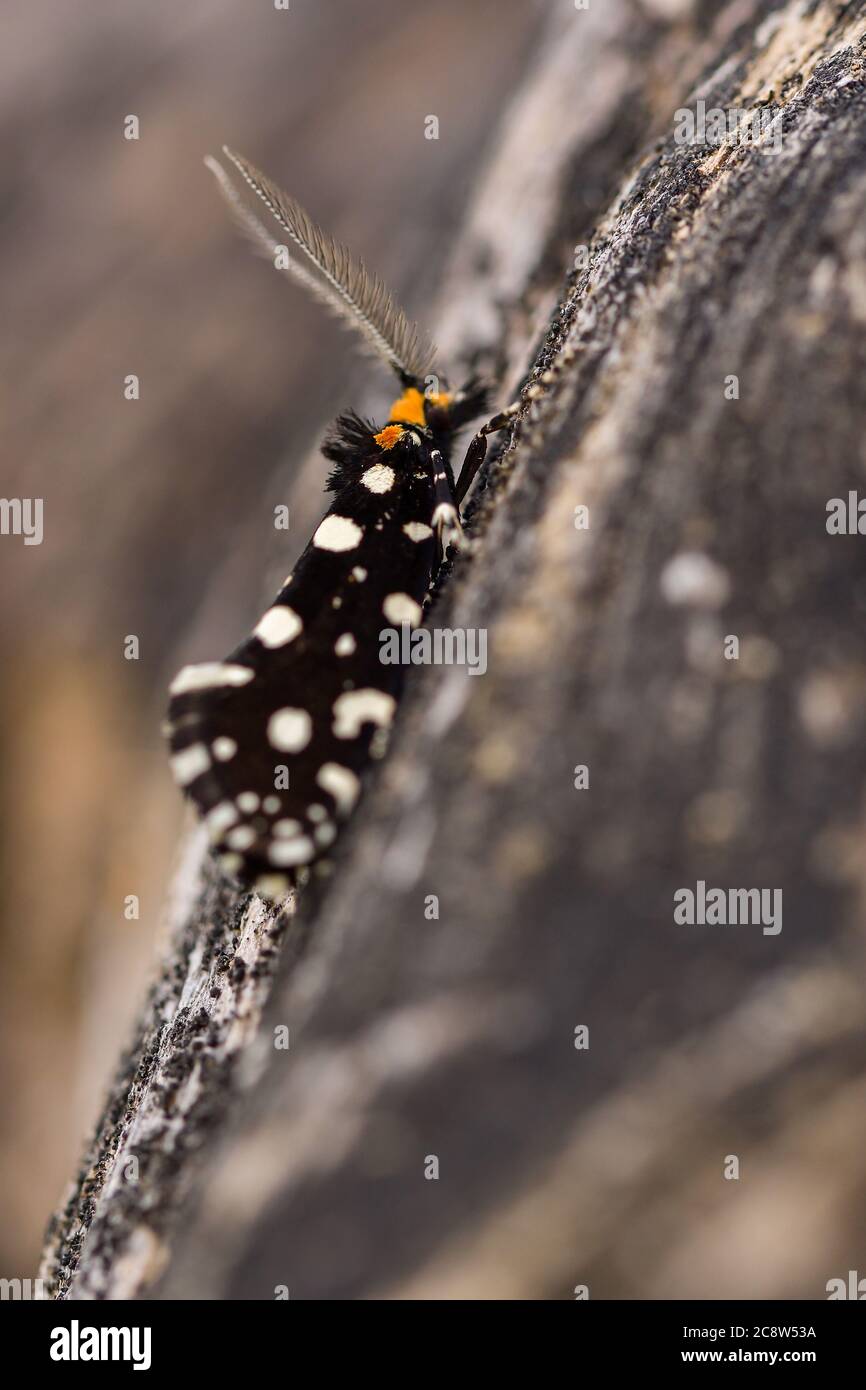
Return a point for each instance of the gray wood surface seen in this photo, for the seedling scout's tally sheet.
(259, 1169)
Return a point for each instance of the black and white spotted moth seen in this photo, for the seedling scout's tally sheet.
(271, 743)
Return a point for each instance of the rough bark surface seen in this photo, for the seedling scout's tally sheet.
(226, 1167)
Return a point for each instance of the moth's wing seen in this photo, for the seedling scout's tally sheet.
(271, 743)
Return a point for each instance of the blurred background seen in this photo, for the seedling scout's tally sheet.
(119, 258)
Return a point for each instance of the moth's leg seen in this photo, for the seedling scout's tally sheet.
(446, 516)
(477, 450)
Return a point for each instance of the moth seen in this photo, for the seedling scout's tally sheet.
(271, 743)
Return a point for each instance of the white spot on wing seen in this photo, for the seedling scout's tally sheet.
(241, 837)
(417, 530)
(337, 533)
(207, 674)
(220, 818)
(359, 573)
(190, 763)
(345, 645)
(379, 478)
(278, 626)
(288, 852)
(272, 886)
(357, 707)
(342, 783)
(286, 829)
(248, 802)
(400, 608)
(290, 730)
(224, 748)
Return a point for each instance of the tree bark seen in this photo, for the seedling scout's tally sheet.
(694, 639)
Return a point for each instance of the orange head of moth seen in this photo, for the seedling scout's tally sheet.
(388, 437)
(417, 407)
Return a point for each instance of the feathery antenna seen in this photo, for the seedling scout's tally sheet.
(337, 279)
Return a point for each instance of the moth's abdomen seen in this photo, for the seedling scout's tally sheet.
(271, 743)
